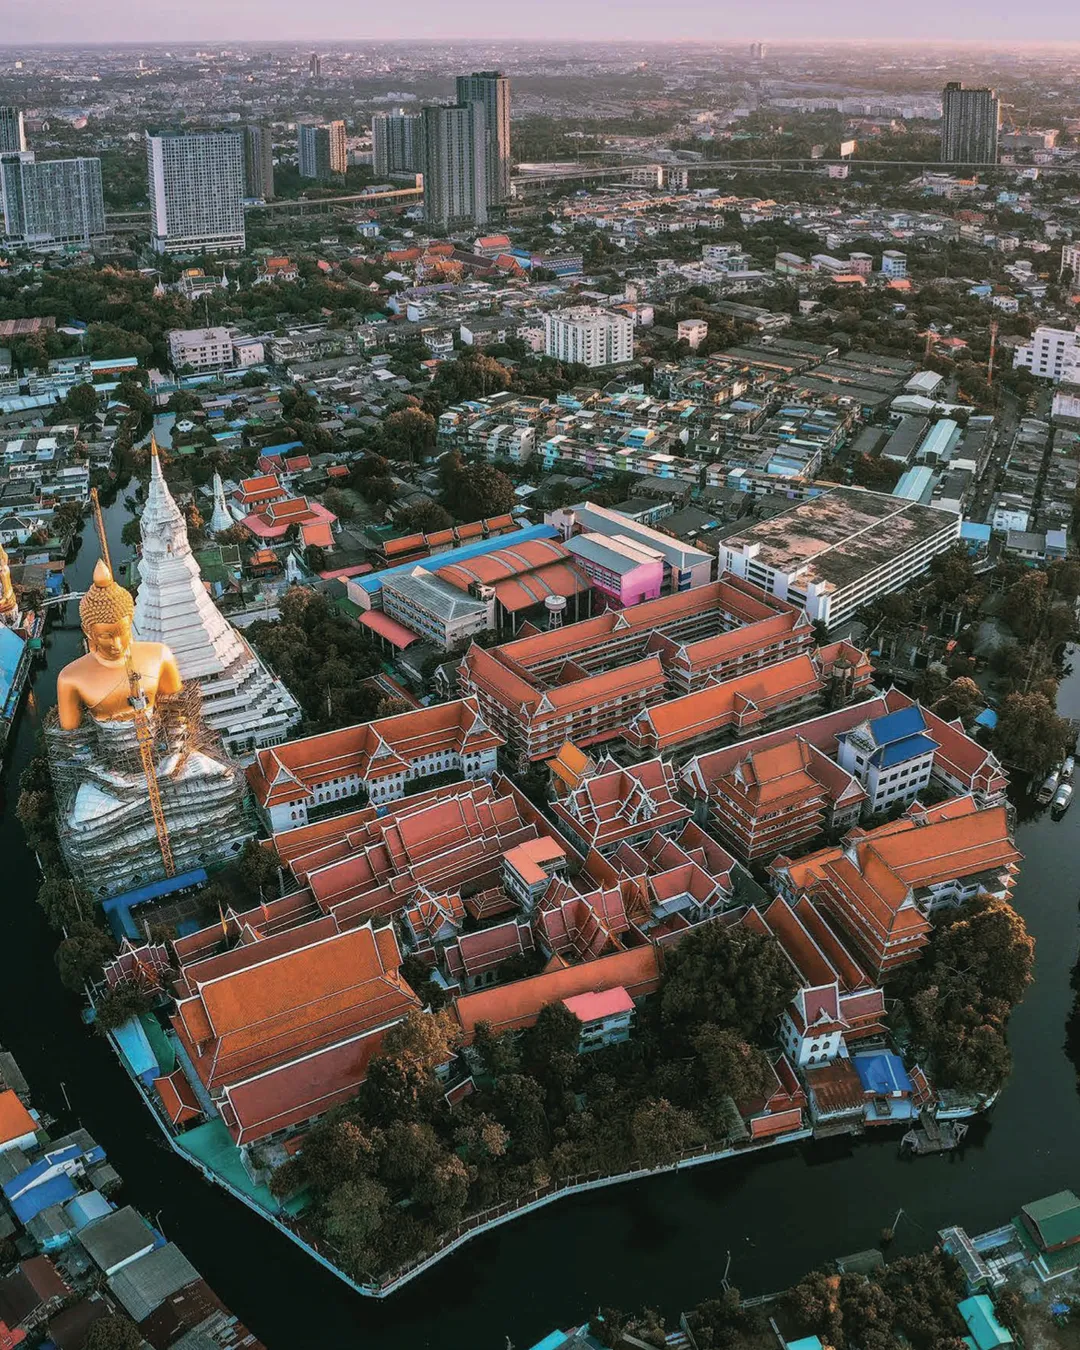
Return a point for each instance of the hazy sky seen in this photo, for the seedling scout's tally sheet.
(717, 20)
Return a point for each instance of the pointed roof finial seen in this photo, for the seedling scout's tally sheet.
(153, 446)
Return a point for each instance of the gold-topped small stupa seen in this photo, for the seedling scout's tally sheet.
(105, 820)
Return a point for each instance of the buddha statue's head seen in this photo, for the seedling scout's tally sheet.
(105, 612)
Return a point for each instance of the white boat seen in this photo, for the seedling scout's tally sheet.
(1067, 769)
(1048, 788)
(1062, 798)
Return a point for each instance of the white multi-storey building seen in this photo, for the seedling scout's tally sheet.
(1049, 352)
(589, 337)
(200, 348)
(1070, 263)
(196, 185)
(835, 553)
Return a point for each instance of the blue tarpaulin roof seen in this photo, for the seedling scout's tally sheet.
(882, 1072)
(135, 1047)
(56, 1191)
(11, 650)
(988, 718)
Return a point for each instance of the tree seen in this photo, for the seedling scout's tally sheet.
(115, 1332)
(477, 491)
(352, 1216)
(661, 1132)
(550, 1052)
(408, 434)
(131, 534)
(963, 699)
(424, 517)
(119, 1003)
(1029, 734)
(401, 1082)
(82, 954)
(519, 1107)
(81, 402)
(953, 574)
(336, 501)
(731, 977)
(731, 1066)
(472, 375)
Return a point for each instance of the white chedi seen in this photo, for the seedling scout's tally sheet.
(242, 701)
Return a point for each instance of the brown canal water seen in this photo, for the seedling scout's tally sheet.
(662, 1242)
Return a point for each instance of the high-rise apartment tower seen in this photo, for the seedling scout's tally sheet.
(455, 165)
(396, 143)
(196, 192)
(492, 91)
(258, 163)
(321, 150)
(54, 201)
(969, 125)
(12, 131)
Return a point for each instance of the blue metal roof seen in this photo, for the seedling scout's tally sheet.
(86, 1208)
(896, 752)
(56, 1191)
(896, 726)
(372, 583)
(882, 1072)
(31, 1176)
(988, 718)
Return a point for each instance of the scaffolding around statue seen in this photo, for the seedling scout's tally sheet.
(104, 818)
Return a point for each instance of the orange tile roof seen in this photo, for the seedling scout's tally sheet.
(744, 699)
(517, 1005)
(289, 772)
(15, 1120)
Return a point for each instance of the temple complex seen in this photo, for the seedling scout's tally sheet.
(242, 701)
(104, 794)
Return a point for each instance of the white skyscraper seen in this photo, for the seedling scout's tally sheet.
(53, 201)
(589, 337)
(455, 165)
(196, 187)
(246, 705)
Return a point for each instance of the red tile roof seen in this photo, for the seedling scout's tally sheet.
(517, 1005)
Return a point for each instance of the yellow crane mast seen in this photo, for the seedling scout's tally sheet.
(143, 735)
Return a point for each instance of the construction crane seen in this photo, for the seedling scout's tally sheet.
(137, 701)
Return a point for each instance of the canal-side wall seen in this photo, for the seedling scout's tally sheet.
(473, 1227)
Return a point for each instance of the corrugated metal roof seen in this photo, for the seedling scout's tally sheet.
(145, 1284)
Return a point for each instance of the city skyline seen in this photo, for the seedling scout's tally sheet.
(331, 20)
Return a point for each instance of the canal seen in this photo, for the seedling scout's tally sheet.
(662, 1242)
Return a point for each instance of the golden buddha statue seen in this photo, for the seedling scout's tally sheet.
(9, 605)
(105, 821)
(98, 682)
